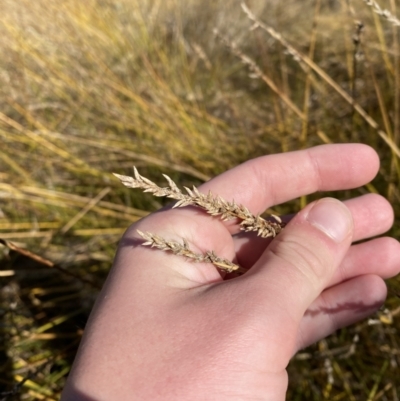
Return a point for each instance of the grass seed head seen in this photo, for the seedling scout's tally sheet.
(213, 205)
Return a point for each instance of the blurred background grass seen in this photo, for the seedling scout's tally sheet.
(90, 88)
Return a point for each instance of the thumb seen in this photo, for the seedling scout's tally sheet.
(300, 261)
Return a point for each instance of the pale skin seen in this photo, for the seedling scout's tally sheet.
(165, 328)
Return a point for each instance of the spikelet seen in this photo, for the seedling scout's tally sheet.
(214, 205)
(182, 249)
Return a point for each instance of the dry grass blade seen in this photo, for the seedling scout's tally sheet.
(298, 56)
(89, 206)
(214, 205)
(383, 12)
(257, 72)
(182, 249)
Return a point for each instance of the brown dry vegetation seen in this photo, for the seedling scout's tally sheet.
(90, 88)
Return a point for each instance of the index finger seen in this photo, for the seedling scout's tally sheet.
(269, 180)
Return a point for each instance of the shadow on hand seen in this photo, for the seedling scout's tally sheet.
(356, 307)
(73, 394)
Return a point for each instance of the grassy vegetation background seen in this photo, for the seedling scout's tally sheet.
(90, 88)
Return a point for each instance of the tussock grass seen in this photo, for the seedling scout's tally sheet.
(89, 88)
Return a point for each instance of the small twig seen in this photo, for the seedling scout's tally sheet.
(214, 205)
(182, 249)
(45, 262)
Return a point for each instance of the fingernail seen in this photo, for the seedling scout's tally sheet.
(332, 218)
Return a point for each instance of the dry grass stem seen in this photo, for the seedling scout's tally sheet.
(302, 58)
(383, 12)
(182, 249)
(256, 72)
(214, 205)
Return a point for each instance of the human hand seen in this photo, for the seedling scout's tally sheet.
(165, 328)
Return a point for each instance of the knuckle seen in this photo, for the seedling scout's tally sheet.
(310, 258)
